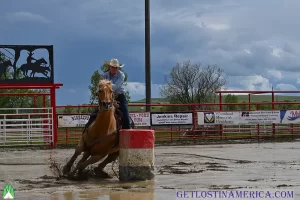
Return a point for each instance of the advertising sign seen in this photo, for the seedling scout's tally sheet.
(260, 117)
(290, 116)
(239, 117)
(229, 118)
(141, 119)
(72, 120)
(171, 118)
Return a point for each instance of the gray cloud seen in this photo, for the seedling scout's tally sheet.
(255, 42)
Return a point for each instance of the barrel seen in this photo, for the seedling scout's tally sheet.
(136, 158)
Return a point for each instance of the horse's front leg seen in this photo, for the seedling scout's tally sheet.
(85, 156)
(93, 159)
(79, 149)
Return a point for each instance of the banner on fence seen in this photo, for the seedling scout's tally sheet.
(239, 117)
(141, 119)
(260, 117)
(72, 120)
(290, 116)
(206, 118)
(171, 118)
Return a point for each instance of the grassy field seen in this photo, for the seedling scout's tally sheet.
(254, 98)
(242, 98)
(268, 98)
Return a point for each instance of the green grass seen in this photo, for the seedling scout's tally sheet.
(254, 98)
(267, 98)
(242, 98)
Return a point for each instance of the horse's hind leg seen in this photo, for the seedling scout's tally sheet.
(99, 169)
(79, 149)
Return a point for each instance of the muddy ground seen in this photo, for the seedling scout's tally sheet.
(211, 167)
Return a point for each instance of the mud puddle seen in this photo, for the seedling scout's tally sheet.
(186, 168)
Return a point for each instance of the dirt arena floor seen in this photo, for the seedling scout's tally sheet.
(211, 167)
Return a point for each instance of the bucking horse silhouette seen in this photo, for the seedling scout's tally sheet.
(32, 66)
(3, 67)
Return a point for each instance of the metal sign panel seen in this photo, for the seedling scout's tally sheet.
(26, 64)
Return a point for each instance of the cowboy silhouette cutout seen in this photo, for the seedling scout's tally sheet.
(30, 58)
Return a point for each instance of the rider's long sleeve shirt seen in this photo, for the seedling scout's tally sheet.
(117, 80)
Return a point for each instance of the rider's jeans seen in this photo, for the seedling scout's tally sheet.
(124, 109)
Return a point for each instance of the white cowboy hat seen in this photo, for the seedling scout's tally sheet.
(115, 63)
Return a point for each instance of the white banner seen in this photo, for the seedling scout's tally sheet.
(239, 117)
(171, 118)
(260, 117)
(72, 120)
(141, 119)
(228, 118)
(290, 116)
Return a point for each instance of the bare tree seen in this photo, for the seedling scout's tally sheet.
(188, 83)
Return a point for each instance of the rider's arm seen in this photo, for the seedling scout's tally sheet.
(119, 82)
(105, 76)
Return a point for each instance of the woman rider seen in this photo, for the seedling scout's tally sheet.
(117, 77)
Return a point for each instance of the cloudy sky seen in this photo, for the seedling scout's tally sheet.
(256, 42)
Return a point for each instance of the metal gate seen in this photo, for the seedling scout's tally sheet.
(26, 126)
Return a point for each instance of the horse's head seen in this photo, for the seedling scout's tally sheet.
(105, 95)
(41, 61)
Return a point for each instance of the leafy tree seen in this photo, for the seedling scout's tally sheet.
(244, 106)
(189, 83)
(95, 78)
(230, 98)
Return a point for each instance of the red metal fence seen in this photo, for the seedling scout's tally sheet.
(178, 122)
(196, 122)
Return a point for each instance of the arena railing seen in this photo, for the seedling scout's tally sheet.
(188, 128)
(26, 126)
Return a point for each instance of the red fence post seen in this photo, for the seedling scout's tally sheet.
(273, 108)
(221, 108)
(194, 122)
(54, 117)
(258, 132)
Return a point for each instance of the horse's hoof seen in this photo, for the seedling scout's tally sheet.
(66, 169)
(101, 174)
(82, 176)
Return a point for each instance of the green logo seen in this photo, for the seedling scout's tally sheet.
(8, 192)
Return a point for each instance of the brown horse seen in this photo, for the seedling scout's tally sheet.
(101, 137)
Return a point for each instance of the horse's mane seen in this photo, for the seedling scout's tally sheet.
(104, 82)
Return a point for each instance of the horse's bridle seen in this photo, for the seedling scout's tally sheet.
(104, 106)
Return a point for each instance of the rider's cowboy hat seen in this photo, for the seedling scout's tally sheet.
(115, 63)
